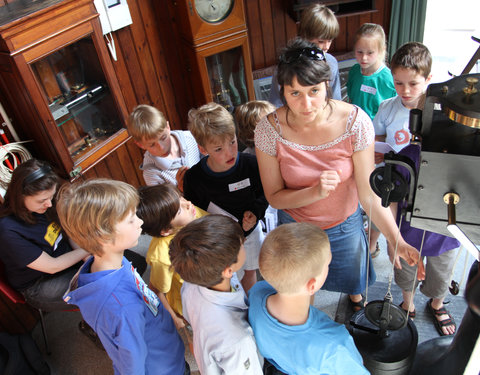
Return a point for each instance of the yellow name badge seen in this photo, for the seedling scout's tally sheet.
(53, 230)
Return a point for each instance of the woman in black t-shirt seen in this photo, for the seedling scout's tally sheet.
(38, 257)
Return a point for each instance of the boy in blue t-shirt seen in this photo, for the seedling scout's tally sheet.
(291, 334)
(136, 331)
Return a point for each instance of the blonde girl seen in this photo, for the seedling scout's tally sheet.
(369, 81)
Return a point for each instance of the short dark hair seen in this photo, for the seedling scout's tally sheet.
(29, 178)
(158, 206)
(308, 72)
(202, 249)
(415, 56)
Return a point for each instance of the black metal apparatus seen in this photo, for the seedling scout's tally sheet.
(444, 193)
(389, 350)
(450, 140)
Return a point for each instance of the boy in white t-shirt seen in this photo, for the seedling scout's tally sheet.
(207, 253)
(410, 66)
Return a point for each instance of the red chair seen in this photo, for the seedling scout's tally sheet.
(17, 297)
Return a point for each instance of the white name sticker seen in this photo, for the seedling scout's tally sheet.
(239, 185)
(368, 89)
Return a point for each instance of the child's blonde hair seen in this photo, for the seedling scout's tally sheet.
(90, 210)
(145, 122)
(415, 56)
(318, 22)
(292, 254)
(209, 122)
(247, 117)
(372, 30)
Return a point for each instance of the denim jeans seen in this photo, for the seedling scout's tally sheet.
(348, 242)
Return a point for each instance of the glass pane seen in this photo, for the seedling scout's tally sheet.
(78, 97)
(227, 78)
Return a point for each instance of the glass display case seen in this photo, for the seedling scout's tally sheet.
(58, 81)
(79, 97)
(220, 71)
(226, 73)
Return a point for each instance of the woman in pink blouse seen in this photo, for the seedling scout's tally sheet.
(315, 157)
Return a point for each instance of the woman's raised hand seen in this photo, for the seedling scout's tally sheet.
(329, 181)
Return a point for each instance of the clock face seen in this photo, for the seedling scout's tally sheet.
(213, 10)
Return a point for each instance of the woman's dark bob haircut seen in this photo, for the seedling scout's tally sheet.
(302, 59)
(29, 178)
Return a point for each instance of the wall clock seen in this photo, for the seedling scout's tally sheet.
(213, 10)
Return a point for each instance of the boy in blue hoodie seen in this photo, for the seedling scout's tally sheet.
(134, 328)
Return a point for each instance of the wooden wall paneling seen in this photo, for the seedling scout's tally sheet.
(340, 42)
(91, 173)
(114, 166)
(255, 34)
(365, 18)
(152, 74)
(171, 56)
(102, 170)
(127, 167)
(387, 14)
(268, 33)
(385, 8)
(162, 87)
(279, 19)
(353, 24)
(133, 66)
(123, 76)
(290, 23)
(136, 156)
(378, 16)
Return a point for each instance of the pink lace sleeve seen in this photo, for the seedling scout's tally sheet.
(363, 132)
(266, 137)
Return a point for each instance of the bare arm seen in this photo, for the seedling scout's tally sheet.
(179, 323)
(381, 216)
(48, 264)
(279, 196)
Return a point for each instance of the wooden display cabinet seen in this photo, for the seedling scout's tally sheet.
(216, 51)
(59, 83)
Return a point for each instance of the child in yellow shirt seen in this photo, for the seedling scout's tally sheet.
(164, 211)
